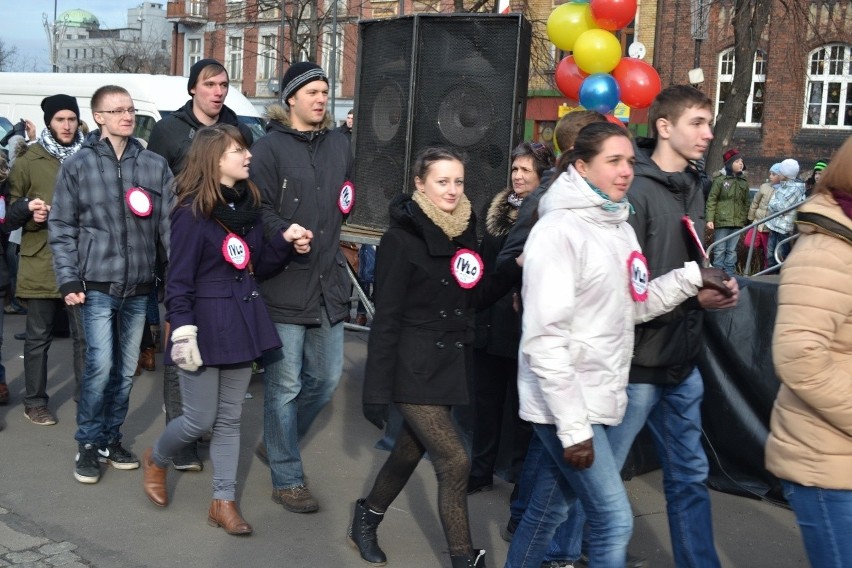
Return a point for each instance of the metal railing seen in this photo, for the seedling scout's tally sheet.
(750, 255)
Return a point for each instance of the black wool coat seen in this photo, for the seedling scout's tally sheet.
(424, 319)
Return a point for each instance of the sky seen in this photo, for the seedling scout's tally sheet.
(21, 25)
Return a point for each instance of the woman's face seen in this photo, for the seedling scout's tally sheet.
(611, 170)
(524, 176)
(234, 164)
(443, 184)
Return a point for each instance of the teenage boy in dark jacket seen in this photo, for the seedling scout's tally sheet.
(302, 168)
(208, 86)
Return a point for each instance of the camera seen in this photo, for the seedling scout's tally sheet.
(19, 129)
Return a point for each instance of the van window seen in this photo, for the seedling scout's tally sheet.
(256, 124)
(144, 126)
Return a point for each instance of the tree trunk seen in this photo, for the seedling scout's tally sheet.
(750, 19)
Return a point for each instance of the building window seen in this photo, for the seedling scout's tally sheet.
(267, 62)
(235, 58)
(753, 114)
(828, 95)
(193, 51)
(268, 10)
(337, 47)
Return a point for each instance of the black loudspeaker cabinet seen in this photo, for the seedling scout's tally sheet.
(455, 80)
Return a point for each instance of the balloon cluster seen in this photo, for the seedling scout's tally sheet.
(596, 74)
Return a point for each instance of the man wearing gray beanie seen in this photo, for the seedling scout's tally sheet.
(31, 184)
(303, 168)
(171, 137)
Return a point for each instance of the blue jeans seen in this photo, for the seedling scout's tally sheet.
(113, 329)
(725, 254)
(557, 487)
(825, 519)
(772, 244)
(300, 378)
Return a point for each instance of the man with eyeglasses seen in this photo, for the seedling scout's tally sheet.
(110, 216)
(31, 184)
(171, 138)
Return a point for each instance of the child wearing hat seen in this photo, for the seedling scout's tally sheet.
(758, 209)
(811, 182)
(789, 193)
(727, 210)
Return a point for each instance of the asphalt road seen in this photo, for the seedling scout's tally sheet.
(49, 519)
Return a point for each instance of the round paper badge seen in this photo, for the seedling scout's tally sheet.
(139, 201)
(638, 275)
(2, 208)
(346, 199)
(467, 268)
(236, 251)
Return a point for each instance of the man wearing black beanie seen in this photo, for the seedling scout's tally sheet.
(31, 184)
(171, 137)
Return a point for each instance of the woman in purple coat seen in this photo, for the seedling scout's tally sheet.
(219, 322)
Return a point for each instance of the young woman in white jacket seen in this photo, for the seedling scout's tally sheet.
(586, 284)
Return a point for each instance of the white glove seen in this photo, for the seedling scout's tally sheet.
(185, 348)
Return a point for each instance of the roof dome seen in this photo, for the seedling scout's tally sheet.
(78, 18)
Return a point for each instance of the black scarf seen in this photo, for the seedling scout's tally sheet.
(241, 217)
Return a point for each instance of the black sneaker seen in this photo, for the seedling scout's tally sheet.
(116, 456)
(86, 468)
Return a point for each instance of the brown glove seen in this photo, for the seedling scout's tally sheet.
(715, 278)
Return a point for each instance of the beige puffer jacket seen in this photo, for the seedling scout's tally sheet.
(810, 441)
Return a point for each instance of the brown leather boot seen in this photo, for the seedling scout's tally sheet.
(227, 515)
(154, 480)
(146, 359)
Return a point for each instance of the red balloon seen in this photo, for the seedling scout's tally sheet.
(613, 14)
(615, 120)
(639, 82)
(569, 77)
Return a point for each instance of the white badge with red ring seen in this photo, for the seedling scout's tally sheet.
(467, 268)
(236, 251)
(346, 199)
(139, 201)
(2, 208)
(639, 276)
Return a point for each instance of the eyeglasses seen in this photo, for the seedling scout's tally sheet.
(238, 150)
(119, 111)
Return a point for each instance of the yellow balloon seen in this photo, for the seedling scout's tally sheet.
(597, 51)
(567, 22)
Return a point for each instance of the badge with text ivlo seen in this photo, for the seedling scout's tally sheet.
(346, 199)
(467, 268)
(638, 275)
(236, 251)
(139, 201)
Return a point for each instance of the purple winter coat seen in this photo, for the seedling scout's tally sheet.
(205, 290)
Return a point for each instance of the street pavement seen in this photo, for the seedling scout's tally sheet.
(48, 519)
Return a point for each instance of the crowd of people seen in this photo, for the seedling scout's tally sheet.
(580, 312)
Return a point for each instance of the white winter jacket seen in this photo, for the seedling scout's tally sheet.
(579, 311)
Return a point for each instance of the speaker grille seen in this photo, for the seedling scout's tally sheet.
(468, 91)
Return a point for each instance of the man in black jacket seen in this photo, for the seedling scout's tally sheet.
(171, 138)
(302, 168)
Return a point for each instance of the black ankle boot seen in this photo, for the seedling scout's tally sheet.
(362, 534)
(475, 560)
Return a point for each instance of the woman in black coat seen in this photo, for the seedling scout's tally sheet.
(428, 281)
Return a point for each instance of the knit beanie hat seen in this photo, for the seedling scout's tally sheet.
(52, 105)
(820, 165)
(195, 71)
(789, 168)
(730, 157)
(775, 169)
(298, 75)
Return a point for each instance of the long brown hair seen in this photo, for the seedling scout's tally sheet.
(199, 182)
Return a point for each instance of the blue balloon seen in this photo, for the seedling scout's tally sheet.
(599, 92)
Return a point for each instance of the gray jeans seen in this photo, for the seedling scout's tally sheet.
(212, 397)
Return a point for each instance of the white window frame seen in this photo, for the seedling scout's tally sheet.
(193, 56)
(267, 56)
(827, 65)
(725, 74)
(326, 57)
(234, 57)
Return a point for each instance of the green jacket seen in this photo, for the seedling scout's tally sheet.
(727, 204)
(33, 176)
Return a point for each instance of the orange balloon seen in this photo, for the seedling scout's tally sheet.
(567, 22)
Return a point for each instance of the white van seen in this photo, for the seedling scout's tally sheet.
(154, 96)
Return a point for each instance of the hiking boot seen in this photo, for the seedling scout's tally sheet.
(116, 456)
(40, 415)
(86, 468)
(146, 359)
(362, 534)
(295, 499)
